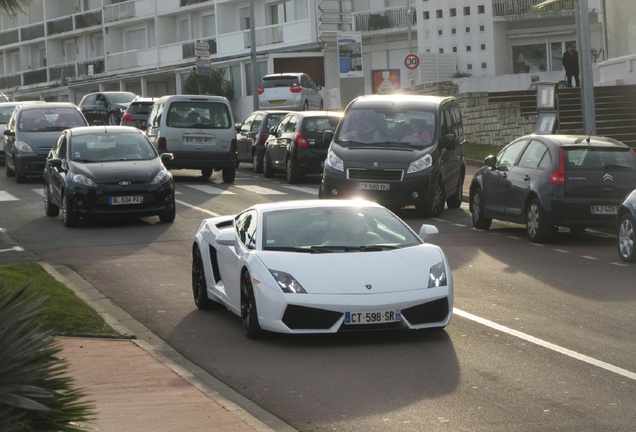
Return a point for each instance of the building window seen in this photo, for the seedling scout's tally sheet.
(482, 47)
(244, 17)
(533, 57)
(481, 9)
(135, 40)
(469, 66)
(440, 50)
(467, 29)
(454, 49)
(426, 15)
(454, 30)
(469, 48)
(208, 26)
(184, 30)
(280, 12)
(452, 12)
(439, 13)
(484, 65)
(440, 32)
(466, 10)
(482, 28)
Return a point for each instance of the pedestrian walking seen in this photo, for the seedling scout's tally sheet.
(571, 65)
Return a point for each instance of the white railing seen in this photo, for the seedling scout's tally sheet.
(278, 35)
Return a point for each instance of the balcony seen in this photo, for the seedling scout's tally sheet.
(381, 20)
(61, 25)
(88, 19)
(119, 11)
(275, 36)
(32, 32)
(35, 77)
(515, 8)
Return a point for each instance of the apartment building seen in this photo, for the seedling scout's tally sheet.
(63, 49)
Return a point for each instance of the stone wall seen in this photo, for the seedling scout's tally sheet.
(484, 123)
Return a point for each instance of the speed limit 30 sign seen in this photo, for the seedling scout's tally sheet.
(411, 61)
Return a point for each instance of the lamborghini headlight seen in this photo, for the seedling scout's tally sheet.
(437, 275)
(287, 282)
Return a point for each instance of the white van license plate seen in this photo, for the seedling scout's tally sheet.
(196, 140)
(136, 199)
(373, 317)
(604, 210)
(374, 186)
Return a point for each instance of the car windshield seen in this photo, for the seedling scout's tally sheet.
(202, 115)
(279, 81)
(590, 158)
(121, 98)
(104, 147)
(335, 229)
(398, 126)
(47, 119)
(5, 114)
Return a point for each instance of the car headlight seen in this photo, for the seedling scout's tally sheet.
(420, 164)
(24, 147)
(287, 282)
(162, 176)
(334, 161)
(83, 180)
(437, 275)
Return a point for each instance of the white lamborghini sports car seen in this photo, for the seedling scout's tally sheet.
(321, 266)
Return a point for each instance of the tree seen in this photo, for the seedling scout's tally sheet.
(15, 7)
(35, 394)
(215, 84)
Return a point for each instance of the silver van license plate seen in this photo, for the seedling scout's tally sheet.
(196, 140)
(374, 186)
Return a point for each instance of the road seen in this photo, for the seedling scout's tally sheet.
(542, 337)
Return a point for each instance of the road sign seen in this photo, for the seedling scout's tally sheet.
(202, 49)
(204, 67)
(411, 61)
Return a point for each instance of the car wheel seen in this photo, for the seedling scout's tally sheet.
(70, 217)
(249, 315)
(112, 119)
(322, 106)
(9, 171)
(206, 172)
(229, 174)
(455, 201)
(268, 171)
(479, 220)
(536, 227)
(199, 284)
(435, 204)
(306, 106)
(626, 238)
(257, 162)
(170, 215)
(292, 171)
(50, 209)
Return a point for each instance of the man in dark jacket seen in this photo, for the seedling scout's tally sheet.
(571, 65)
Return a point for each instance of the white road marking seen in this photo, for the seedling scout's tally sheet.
(13, 249)
(306, 190)
(39, 191)
(6, 196)
(260, 190)
(210, 190)
(202, 210)
(556, 348)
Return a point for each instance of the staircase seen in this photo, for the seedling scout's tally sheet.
(615, 108)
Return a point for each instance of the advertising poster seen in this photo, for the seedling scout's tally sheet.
(350, 54)
(386, 81)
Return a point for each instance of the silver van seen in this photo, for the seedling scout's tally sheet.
(198, 130)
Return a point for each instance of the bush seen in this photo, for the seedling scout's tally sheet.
(35, 394)
(215, 84)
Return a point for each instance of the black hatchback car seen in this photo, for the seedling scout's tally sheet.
(105, 107)
(107, 171)
(296, 146)
(252, 134)
(548, 181)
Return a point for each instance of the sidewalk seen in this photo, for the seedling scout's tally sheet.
(139, 383)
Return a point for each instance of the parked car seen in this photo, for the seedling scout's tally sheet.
(290, 91)
(198, 130)
(286, 267)
(296, 146)
(6, 109)
(31, 132)
(548, 181)
(105, 107)
(252, 134)
(398, 150)
(137, 113)
(107, 171)
(625, 228)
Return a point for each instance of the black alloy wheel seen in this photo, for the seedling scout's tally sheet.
(199, 285)
(249, 315)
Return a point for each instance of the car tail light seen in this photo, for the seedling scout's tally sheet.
(558, 177)
(127, 117)
(233, 146)
(301, 142)
(296, 89)
(260, 90)
(162, 144)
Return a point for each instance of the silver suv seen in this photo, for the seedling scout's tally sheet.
(289, 91)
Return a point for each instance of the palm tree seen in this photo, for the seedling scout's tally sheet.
(14, 7)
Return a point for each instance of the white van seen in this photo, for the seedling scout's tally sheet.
(198, 130)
